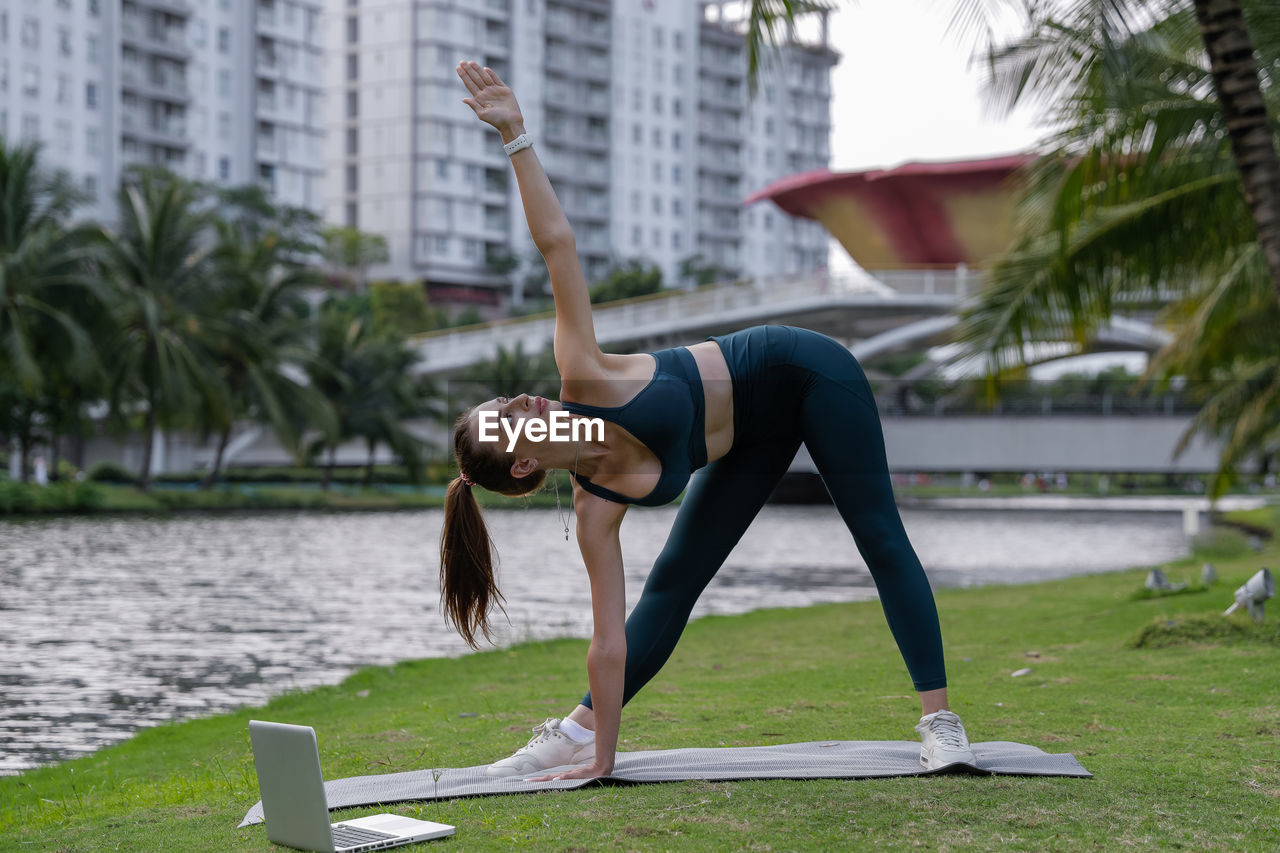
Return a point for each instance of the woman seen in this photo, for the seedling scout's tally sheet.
(740, 405)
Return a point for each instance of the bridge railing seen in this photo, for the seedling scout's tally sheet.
(668, 310)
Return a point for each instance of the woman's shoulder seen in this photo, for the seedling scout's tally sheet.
(612, 381)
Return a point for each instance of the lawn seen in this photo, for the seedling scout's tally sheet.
(1181, 732)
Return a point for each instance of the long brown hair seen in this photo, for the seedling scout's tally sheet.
(467, 585)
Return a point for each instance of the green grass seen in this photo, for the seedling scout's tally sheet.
(1175, 710)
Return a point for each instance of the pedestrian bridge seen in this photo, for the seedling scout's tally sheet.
(881, 310)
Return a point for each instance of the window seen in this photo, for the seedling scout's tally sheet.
(675, 174)
(30, 127)
(677, 207)
(64, 41)
(353, 141)
(224, 126)
(224, 40)
(471, 250)
(91, 187)
(657, 204)
(635, 201)
(31, 80)
(224, 83)
(637, 100)
(655, 238)
(442, 168)
(637, 235)
(353, 179)
(768, 127)
(657, 104)
(350, 213)
(637, 134)
(199, 32)
(30, 33)
(91, 48)
(657, 172)
(353, 66)
(4, 75)
(675, 106)
(353, 104)
(677, 40)
(4, 26)
(675, 241)
(675, 139)
(657, 35)
(353, 29)
(62, 93)
(92, 142)
(657, 137)
(473, 175)
(64, 5)
(94, 8)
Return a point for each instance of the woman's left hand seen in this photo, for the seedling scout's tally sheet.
(588, 771)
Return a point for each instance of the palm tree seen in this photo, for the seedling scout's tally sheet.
(158, 259)
(262, 335)
(45, 290)
(367, 380)
(1139, 197)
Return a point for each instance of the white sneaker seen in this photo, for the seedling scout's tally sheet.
(549, 747)
(945, 741)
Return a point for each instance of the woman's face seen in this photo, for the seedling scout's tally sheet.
(512, 412)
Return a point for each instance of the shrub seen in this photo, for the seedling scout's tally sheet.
(110, 472)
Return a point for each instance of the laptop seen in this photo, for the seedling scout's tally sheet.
(293, 803)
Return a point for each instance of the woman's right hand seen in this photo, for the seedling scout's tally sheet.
(493, 102)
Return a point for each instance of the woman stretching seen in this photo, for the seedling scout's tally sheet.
(737, 406)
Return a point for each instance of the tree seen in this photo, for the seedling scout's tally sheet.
(628, 279)
(260, 337)
(158, 261)
(369, 383)
(351, 252)
(1140, 196)
(46, 292)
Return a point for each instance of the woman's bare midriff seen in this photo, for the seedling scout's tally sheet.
(717, 391)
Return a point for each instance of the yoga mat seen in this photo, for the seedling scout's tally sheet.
(816, 760)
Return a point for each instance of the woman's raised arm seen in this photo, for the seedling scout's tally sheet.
(577, 353)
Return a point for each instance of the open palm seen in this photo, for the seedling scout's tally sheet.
(493, 102)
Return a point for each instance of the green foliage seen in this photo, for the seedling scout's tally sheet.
(626, 280)
(1220, 543)
(110, 472)
(1205, 629)
(61, 496)
(400, 309)
(511, 373)
(350, 252)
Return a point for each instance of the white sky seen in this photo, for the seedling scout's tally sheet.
(905, 89)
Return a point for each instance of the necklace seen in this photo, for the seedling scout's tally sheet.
(556, 476)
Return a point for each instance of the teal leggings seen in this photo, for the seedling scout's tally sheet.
(790, 386)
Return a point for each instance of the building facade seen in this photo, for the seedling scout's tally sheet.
(639, 112)
(227, 91)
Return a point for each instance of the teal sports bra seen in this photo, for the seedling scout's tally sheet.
(669, 417)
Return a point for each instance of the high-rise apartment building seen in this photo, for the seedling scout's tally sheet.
(639, 112)
(227, 91)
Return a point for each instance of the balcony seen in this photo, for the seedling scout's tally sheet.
(160, 85)
(153, 37)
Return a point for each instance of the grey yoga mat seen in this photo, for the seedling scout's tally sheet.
(839, 759)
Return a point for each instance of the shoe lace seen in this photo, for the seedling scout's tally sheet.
(949, 731)
(542, 731)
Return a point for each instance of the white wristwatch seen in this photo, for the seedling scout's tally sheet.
(520, 143)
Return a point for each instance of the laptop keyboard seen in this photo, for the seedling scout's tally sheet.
(350, 836)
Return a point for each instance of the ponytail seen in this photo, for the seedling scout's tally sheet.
(467, 585)
(468, 588)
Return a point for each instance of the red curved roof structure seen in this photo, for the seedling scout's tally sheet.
(917, 214)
